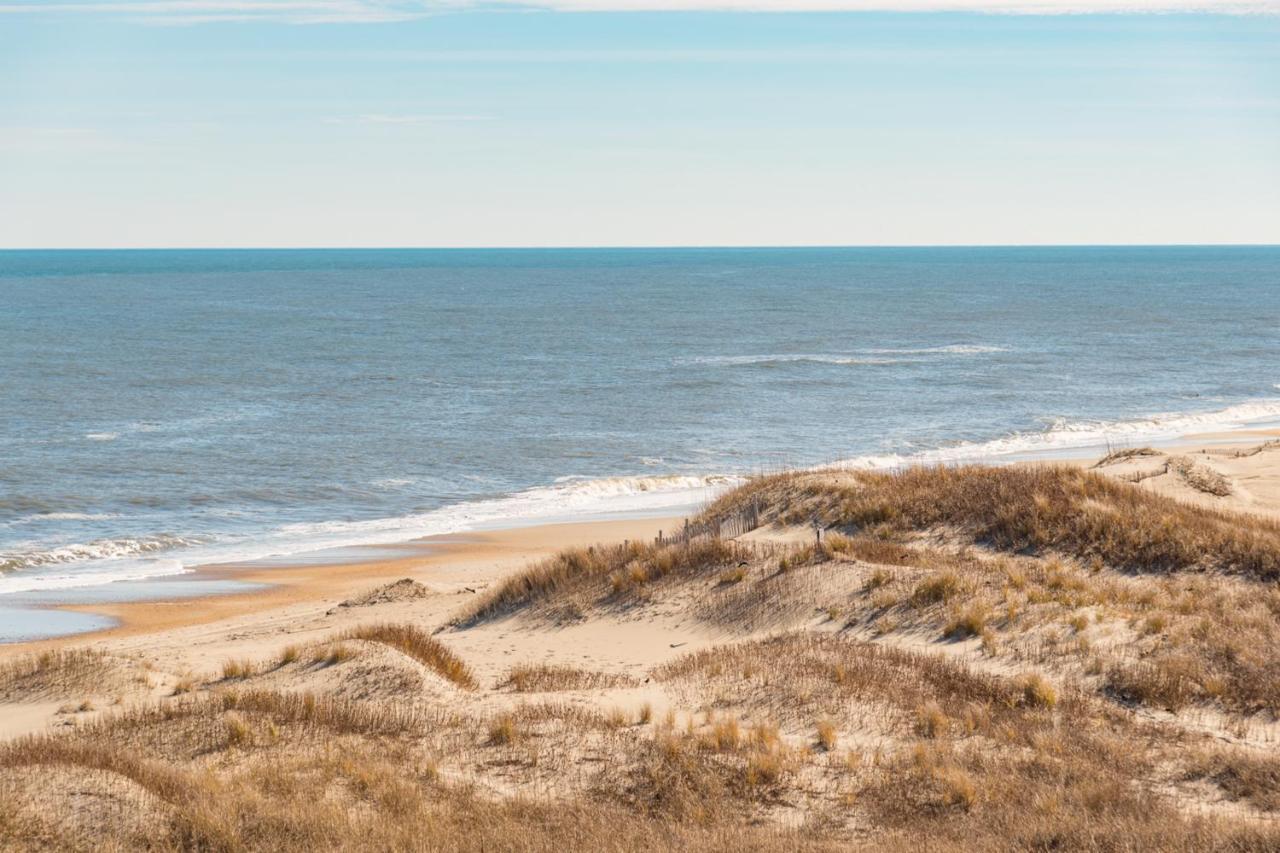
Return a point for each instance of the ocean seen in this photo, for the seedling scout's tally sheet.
(162, 409)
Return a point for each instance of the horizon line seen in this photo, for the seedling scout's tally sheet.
(637, 247)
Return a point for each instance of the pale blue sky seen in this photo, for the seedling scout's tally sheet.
(250, 124)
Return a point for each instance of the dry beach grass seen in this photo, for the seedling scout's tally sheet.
(973, 658)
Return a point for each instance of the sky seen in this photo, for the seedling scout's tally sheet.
(212, 123)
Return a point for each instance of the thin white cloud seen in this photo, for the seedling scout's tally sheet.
(405, 120)
(383, 118)
(374, 11)
(199, 11)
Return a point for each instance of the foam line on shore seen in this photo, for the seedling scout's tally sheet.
(573, 498)
(1063, 435)
(570, 499)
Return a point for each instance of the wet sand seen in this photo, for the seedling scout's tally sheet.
(454, 563)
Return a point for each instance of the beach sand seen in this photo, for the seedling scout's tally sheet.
(176, 640)
(607, 652)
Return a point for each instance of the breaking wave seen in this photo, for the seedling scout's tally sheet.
(137, 558)
(952, 349)
(1063, 435)
(793, 358)
(866, 356)
(99, 549)
(569, 498)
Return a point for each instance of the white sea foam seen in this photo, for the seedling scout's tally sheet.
(99, 549)
(949, 349)
(570, 498)
(1062, 436)
(392, 482)
(102, 436)
(35, 518)
(787, 358)
(76, 577)
(866, 356)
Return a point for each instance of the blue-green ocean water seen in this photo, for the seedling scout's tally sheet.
(164, 408)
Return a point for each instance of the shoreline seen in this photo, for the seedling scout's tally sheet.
(170, 642)
(222, 589)
(444, 562)
(118, 552)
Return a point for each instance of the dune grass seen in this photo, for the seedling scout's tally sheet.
(546, 678)
(1200, 476)
(58, 672)
(1026, 509)
(806, 739)
(420, 646)
(336, 799)
(1242, 775)
(604, 570)
(971, 760)
(1113, 457)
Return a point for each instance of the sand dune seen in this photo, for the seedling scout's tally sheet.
(1044, 656)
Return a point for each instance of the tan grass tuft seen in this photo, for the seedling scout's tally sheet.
(1037, 692)
(420, 646)
(827, 736)
(503, 731)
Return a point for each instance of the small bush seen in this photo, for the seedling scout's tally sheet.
(764, 768)
(1154, 624)
(238, 731)
(503, 731)
(336, 654)
(620, 566)
(827, 735)
(725, 736)
(931, 722)
(877, 579)
(242, 668)
(1037, 692)
(969, 623)
(732, 576)
(1170, 683)
(958, 789)
(935, 589)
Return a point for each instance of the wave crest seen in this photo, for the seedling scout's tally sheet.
(99, 549)
(949, 349)
(1065, 435)
(865, 356)
(792, 358)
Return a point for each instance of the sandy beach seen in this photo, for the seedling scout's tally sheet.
(602, 635)
(299, 602)
(467, 563)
